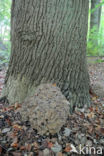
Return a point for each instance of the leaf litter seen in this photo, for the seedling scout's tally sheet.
(84, 126)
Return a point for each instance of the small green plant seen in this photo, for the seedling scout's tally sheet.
(99, 61)
(95, 44)
(92, 44)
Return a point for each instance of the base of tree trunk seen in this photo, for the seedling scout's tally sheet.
(16, 90)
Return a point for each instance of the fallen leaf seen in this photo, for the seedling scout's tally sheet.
(102, 131)
(96, 109)
(14, 145)
(36, 146)
(54, 84)
(99, 129)
(91, 115)
(91, 109)
(17, 105)
(90, 129)
(82, 115)
(94, 98)
(68, 148)
(22, 148)
(5, 130)
(17, 127)
(50, 144)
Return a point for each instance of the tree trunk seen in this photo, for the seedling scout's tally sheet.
(48, 45)
(94, 27)
(99, 17)
(95, 14)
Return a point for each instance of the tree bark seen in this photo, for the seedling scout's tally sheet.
(48, 45)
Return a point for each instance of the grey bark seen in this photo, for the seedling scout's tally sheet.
(48, 45)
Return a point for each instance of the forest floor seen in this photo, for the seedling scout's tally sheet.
(83, 133)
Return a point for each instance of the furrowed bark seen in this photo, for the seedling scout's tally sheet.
(48, 45)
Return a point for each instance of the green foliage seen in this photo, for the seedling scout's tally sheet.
(92, 45)
(97, 6)
(95, 44)
(5, 6)
(99, 61)
(95, 41)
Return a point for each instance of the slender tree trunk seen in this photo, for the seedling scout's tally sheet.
(48, 45)
(99, 18)
(94, 27)
(95, 14)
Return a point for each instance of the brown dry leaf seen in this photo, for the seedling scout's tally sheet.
(82, 115)
(15, 139)
(54, 84)
(97, 121)
(68, 148)
(96, 109)
(91, 115)
(50, 144)
(90, 129)
(12, 135)
(22, 148)
(9, 108)
(17, 127)
(36, 146)
(17, 105)
(4, 109)
(101, 130)
(94, 98)
(14, 144)
(91, 109)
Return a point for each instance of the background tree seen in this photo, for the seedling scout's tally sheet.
(95, 14)
(94, 30)
(4, 31)
(48, 45)
(95, 40)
